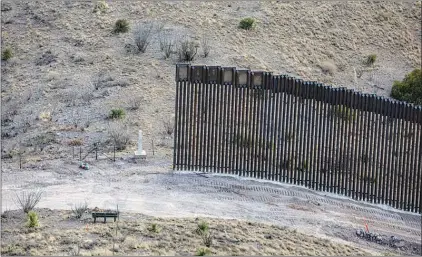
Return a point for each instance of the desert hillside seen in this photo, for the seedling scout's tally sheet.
(69, 69)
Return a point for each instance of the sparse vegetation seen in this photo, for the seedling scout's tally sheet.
(142, 36)
(168, 126)
(121, 26)
(167, 43)
(75, 251)
(119, 135)
(187, 49)
(75, 142)
(117, 114)
(130, 238)
(203, 252)
(6, 54)
(207, 239)
(42, 140)
(134, 103)
(28, 200)
(410, 88)
(79, 209)
(247, 23)
(100, 7)
(204, 231)
(46, 58)
(154, 228)
(370, 60)
(45, 116)
(32, 219)
(202, 228)
(206, 46)
(328, 67)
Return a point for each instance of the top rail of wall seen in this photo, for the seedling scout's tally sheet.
(304, 89)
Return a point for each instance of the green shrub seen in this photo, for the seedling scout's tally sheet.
(100, 6)
(409, 89)
(117, 114)
(32, 219)
(121, 26)
(154, 228)
(202, 228)
(370, 59)
(6, 54)
(247, 23)
(203, 252)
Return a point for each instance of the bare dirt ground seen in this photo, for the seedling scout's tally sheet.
(151, 189)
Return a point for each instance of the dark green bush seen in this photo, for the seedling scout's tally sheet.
(247, 23)
(409, 89)
(370, 59)
(117, 114)
(121, 26)
(6, 54)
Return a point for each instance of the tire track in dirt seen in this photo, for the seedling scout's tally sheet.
(229, 189)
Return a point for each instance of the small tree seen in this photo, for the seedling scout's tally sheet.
(142, 36)
(119, 135)
(409, 89)
(187, 49)
(167, 43)
(28, 201)
(206, 46)
(121, 26)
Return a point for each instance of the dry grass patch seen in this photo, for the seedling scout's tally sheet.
(138, 235)
(328, 67)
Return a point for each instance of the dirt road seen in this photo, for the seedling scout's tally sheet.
(153, 189)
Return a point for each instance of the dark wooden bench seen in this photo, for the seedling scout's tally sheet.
(105, 215)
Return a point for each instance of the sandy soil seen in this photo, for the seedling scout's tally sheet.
(151, 189)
